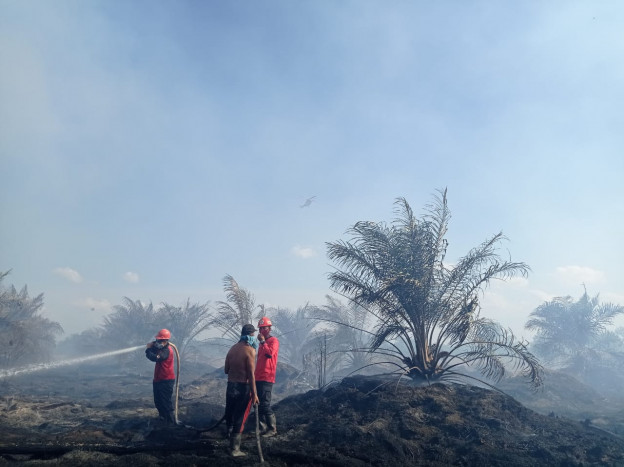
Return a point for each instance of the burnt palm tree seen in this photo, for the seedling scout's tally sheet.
(573, 335)
(428, 312)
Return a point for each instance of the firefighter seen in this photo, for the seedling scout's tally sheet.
(159, 351)
(241, 387)
(265, 374)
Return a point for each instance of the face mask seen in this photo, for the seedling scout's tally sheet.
(159, 345)
(251, 340)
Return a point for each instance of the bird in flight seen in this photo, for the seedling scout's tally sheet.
(308, 202)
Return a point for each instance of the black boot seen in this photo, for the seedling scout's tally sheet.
(162, 418)
(171, 419)
(262, 424)
(271, 426)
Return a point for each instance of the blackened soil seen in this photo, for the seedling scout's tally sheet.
(94, 419)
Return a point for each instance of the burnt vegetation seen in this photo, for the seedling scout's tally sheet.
(397, 368)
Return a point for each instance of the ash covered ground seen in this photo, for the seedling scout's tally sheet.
(92, 415)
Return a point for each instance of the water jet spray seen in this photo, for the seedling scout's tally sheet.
(47, 366)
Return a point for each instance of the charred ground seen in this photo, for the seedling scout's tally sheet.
(87, 416)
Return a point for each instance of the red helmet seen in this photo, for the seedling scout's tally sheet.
(264, 322)
(163, 334)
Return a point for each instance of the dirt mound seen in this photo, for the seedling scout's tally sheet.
(368, 421)
(359, 421)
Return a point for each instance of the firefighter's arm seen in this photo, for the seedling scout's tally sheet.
(226, 368)
(251, 363)
(151, 353)
(163, 354)
(270, 347)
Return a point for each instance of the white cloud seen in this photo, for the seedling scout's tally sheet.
(303, 252)
(577, 275)
(131, 277)
(69, 274)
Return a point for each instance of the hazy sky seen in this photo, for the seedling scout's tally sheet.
(149, 148)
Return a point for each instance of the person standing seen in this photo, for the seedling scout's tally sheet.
(159, 351)
(241, 387)
(266, 367)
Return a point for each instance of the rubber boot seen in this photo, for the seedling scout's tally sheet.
(235, 442)
(271, 426)
(263, 425)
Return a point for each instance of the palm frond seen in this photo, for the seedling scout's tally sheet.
(427, 310)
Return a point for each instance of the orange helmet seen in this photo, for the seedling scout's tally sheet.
(264, 322)
(163, 334)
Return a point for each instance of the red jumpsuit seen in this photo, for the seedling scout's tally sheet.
(164, 380)
(266, 367)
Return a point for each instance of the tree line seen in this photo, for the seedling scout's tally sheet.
(406, 311)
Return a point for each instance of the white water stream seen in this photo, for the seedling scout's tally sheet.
(73, 361)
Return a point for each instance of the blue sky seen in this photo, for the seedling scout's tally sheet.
(147, 149)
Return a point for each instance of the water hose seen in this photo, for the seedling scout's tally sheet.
(203, 430)
(177, 383)
(258, 434)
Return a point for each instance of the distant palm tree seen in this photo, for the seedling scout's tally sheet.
(186, 323)
(299, 343)
(294, 330)
(130, 324)
(27, 337)
(237, 311)
(348, 336)
(573, 335)
(428, 312)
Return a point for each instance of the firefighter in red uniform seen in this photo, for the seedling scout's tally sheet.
(160, 352)
(265, 374)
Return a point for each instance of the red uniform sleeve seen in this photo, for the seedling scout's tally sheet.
(267, 360)
(270, 348)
